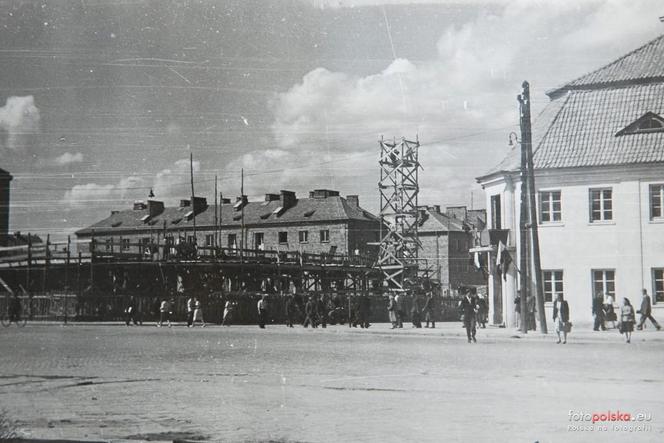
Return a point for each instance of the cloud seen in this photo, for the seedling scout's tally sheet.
(19, 121)
(93, 194)
(173, 183)
(461, 102)
(67, 158)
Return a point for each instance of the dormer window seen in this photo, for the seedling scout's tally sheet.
(649, 122)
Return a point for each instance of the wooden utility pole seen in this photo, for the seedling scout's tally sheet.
(242, 239)
(527, 142)
(216, 219)
(193, 207)
(523, 225)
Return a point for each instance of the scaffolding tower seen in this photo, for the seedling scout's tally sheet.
(399, 188)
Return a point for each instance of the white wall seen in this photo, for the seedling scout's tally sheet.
(631, 244)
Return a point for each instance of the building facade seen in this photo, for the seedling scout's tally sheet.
(323, 223)
(446, 238)
(599, 178)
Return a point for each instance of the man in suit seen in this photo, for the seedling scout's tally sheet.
(469, 307)
(598, 312)
(646, 312)
(310, 314)
(428, 311)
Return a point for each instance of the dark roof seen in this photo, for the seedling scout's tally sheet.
(4, 173)
(439, 222)
(305, 210)
(642, 65)
(581, 128)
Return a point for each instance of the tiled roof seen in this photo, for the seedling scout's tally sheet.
(578, 129)
(255, 214)
(641, 65)
(438, 222)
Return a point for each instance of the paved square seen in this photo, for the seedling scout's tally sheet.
(113, 382)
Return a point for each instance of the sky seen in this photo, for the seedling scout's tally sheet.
(103, 100)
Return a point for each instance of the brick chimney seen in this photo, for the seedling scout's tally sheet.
(287, 199)
(155, 208)
(353, 200)
(240, 202)
(272, 197)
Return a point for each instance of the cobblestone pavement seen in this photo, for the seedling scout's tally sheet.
(112, 382)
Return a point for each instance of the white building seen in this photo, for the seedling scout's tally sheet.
(599, 176)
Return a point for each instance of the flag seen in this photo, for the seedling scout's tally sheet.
(476, 261)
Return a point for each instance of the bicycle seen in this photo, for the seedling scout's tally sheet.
(8, 319)
(12, 312)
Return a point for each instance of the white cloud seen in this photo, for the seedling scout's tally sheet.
(464, 98)
(68, 158)
(173, 183)
(19, 120)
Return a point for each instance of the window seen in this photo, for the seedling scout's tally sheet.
(604, 281)
(656, 201)
(145, 242)
(209, 239)
(324, 236)
(303, 236)
(109, 244)
(601, 205)
(283, 237)
(125, 244)
(648, 122)
(550, 209)
(191, 239)
(553, 285)
(232, 241)
(259, 241)
(495, 212)
(658, 285)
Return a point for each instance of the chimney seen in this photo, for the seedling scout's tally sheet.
(5, 178)
(200, 204)
(353, 200)
(436, 209)
(272, 197)
(155, 208)
(139, 205)
(287, 199)
(225, 201)
(185, 203)
(323, 193)
(458, 212)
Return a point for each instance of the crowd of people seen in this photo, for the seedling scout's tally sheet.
(320, 310)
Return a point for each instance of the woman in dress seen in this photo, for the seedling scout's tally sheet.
(561, 317)
(627, 319)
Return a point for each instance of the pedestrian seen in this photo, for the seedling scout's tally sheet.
(190, 312)
(517, 309)
(469, 308)
(198, 313)
(598, 312)
(627, 319)
(262, 311)
(289, 309)
(164, 313)
(392, 311)
(482, 311)
(609, 312)
(14, 309)
(415, 313)
(646, 312)
(364, 311)
(321, 307)
(401, 312)
(530, 305)
(561, 317)
(429, 311)
(229, 308)
(130, 312)
(309, 313)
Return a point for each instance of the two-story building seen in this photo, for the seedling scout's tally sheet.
(322, 223)
(599, 177)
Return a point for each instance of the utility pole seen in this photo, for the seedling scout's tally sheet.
(242, 242)
(523, 221)
(193, 206)
(527, 142)
(216, 219)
